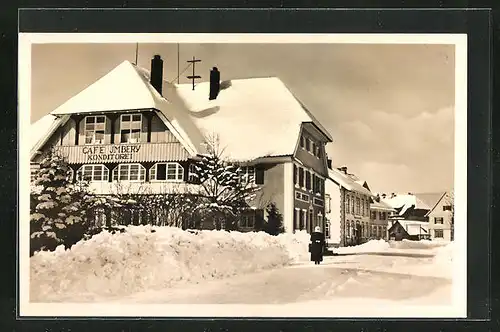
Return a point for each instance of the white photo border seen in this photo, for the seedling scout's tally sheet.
(459, 287)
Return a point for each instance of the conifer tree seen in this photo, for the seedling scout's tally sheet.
(274, 225)
(58, 208)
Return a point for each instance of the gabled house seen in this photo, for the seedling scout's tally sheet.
(132, 129)
(411, 213)
(441, 218)
(348, 210)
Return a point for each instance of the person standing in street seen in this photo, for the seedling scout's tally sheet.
(317, 245)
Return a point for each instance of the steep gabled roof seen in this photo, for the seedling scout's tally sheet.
(347, 181)
(42, 129)
(436, 203)
(252, 118)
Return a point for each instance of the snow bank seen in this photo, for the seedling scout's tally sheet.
(422, 244)
(367, 247)
(145, 258)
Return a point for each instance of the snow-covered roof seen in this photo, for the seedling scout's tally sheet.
(381, 206)
(412, 227)
(420, 201)
(42, 129)
(252, 118)
(348, 182)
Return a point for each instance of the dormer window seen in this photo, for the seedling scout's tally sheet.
(94, 129)
(130, 128)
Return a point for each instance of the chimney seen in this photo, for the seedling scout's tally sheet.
(384, 195)
(393, 195)
(329, 163)
(157, 73)
(214, 83)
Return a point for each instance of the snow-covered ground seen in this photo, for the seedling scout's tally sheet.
(149, 258)
(423, 247)
(168, 265)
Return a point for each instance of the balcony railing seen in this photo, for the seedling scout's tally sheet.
(123, 153)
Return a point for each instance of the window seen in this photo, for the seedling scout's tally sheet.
(192, 174)
(318, 202)
(295, 176)
(302, 142)
(438, 233)
(301, 177)
(446, 207)
(328, 207)
(308, 180)
(247, 221)
(374, 215)
(368, 207)
(302, 218)
(129, 172)
(296, 219)
(301, 196)
(362, 206)
(317, 151)
(347, 203)
(357, 205)
(94, 129)
(247, 174)
(438, 220)
(130, 128)
(352, 205)
(166, 171)
(308, 144)
(319, 219)
(92, 173)
(313, 148)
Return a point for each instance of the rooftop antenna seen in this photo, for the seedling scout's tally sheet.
(193, 77)
(178, 73)
(136, 52)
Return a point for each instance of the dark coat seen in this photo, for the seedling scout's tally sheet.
(317, 246)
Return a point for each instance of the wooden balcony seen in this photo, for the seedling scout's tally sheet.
(123, 153)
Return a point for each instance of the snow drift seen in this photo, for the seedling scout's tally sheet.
(147, 258)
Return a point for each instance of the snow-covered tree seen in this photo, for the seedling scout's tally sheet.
(274, 225)
(225, 188)
(59, 208)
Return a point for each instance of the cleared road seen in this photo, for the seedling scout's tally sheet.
(338, 277)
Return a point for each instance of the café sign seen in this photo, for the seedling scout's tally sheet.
(110, 152)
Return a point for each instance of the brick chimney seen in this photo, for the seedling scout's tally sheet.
(214, 83)
(157, 73)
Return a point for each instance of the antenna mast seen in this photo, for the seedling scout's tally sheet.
(178, 73)
(193, 77)
(136, 52)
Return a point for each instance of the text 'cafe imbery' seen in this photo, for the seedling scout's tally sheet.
(110, 152)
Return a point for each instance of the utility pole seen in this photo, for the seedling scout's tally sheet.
(193, 77)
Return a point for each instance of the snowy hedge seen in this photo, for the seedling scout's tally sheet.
(145, 258)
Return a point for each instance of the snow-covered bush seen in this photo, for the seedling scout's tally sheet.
(58, 208)
(225, 188)
(147, 258)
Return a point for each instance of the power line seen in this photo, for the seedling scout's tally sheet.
(186, 68)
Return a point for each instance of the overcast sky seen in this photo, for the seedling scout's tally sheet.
(390, 108)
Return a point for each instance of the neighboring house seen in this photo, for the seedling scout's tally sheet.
(441, 218)
(348, 216)
(379, 218)
(411, 214)
(134, 130)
